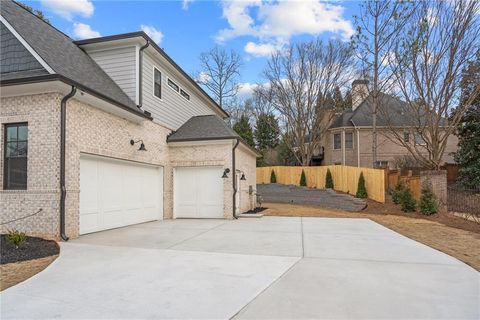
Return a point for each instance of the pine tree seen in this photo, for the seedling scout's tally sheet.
(329, 180)
(468, 154)
(303, 179)
(428, 202)
(266, 131)
(273, 177)
(244, 130)
(407, 201)
(361, 189)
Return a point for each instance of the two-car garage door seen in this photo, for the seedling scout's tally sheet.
(116, 193)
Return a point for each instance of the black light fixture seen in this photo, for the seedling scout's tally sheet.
(142, 145)
(243, 177)
(225, 173)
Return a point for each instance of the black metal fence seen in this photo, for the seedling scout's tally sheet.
(464, 200)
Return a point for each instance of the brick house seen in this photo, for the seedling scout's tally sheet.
(349, 138)
(107, 132)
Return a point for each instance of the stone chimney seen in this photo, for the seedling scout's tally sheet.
(359, 92)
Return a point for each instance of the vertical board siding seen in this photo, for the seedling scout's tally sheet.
(120, 65)
(172, 110)
(345, 178)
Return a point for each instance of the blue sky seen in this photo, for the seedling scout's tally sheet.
(184, 29)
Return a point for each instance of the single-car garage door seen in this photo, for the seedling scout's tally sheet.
(198, 192)
(116, 193)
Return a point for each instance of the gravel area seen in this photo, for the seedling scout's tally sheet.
(278, 193)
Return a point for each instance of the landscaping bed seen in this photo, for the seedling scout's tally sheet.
(20, 263)
(452, 235)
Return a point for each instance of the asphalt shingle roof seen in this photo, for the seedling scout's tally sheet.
(207, 127)
(362, 116)
(62, 55)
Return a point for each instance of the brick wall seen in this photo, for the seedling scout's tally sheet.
(437, 181)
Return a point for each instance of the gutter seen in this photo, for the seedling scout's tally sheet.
(140, 73)
(63, 190)
(234, 176)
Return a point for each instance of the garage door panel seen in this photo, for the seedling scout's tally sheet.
(115, 193)
(198, 192)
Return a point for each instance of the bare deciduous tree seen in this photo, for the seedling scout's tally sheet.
(439, 41)
(378, 26)
(220, 73)
(299, 79)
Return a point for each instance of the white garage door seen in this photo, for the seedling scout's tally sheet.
(198, 192)
(116, 193)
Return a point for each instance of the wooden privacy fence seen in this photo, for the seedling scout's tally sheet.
(345, 178)
(411, 181)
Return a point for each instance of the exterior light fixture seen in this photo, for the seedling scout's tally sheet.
(142, 145)
(243, 177)
(225, 173)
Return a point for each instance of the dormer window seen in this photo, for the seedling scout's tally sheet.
(173, 85)
(184, 94)
(157, 83)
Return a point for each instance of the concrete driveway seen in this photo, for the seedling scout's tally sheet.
(273, 267)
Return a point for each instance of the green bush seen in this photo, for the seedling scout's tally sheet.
(15, 237)
(303, 179)
(273, 177)
(396, 194)
(361, 189)
(407, 201)
(428, 202)
(329, 180)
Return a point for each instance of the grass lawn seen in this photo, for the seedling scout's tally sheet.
(452, 235)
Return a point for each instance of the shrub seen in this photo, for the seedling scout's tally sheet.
(273, 177)
(303, 179)
(396, 194)
(329, 180)
(15, 237)
(361, 189)
(407, 201)
(428, 202)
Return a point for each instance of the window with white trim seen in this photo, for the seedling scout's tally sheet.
(157, 83)
(173, 85)
(337, 141)
(348, 140)
(185, 94)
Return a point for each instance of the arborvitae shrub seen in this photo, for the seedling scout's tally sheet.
(428, 201)
(407, 201)
(329, 180)
(399, 188)
(361, 189)
(273, 177)
(303, 179)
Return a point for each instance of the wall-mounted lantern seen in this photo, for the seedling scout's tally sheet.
(142, 145)
(225, 173)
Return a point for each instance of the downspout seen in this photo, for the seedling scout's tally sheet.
(140, 73)
(63, 190)
(234, 176)
(357, 130)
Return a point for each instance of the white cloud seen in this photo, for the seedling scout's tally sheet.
(69, 8)
(245, 90)
(84, 31)
(203, 77)
(277, 21)
(186, 4)
(153, 33)
(260, 50)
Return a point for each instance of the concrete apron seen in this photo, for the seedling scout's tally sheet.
(272, 267)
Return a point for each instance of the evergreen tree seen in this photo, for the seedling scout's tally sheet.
(266, 131)
(468, 154)
(303, 179)
(273, 177)
(361, 189)
(329, 180)
(244, 130)
(347, 100)
(337, 98)
(428, 202)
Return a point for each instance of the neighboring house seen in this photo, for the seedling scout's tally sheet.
(108, 132)
(349, 139)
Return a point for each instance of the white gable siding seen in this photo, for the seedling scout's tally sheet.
(172, 110)
(120, 65)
